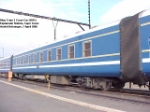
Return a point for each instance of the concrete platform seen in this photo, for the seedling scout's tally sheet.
(21, 97)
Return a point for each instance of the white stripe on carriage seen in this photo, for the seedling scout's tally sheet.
(73, 64)
(4, 69)
(25, 67)
(146, 60)
(82, 64)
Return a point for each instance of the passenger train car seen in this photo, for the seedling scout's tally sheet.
(5, 65)
(103, 57)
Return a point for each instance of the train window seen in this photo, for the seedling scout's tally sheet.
(49, 55)
(71, 52)
(41, 57)
(4, 63)
(58, 54)
(16, 61)
(29, 59)
(87, 49)
(24, 59)
(20, 60)
(34, 58)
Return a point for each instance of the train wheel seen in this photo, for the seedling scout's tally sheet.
(118, 86)
(16, 76)
(106, 86)
(23, 77)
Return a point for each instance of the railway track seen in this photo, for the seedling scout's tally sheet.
(135, 96)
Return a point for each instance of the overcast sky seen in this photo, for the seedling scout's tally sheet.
(15, 40)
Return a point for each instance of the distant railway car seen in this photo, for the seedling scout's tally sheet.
(5, 66)
(102, 57)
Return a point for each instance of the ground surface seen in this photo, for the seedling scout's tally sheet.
(17, 99)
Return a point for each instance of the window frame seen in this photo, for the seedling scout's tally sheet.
(40, 56)
(83, 48)
(4, 63)
(29, 59)
(34, 57)
(57, 53)
(24, 61)
(48, 55)
(16, 61)
(20, 61)
(69, 51)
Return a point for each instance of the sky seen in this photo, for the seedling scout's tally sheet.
(15, 40)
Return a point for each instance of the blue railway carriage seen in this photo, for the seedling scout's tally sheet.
(5, 66)
(102, 57)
